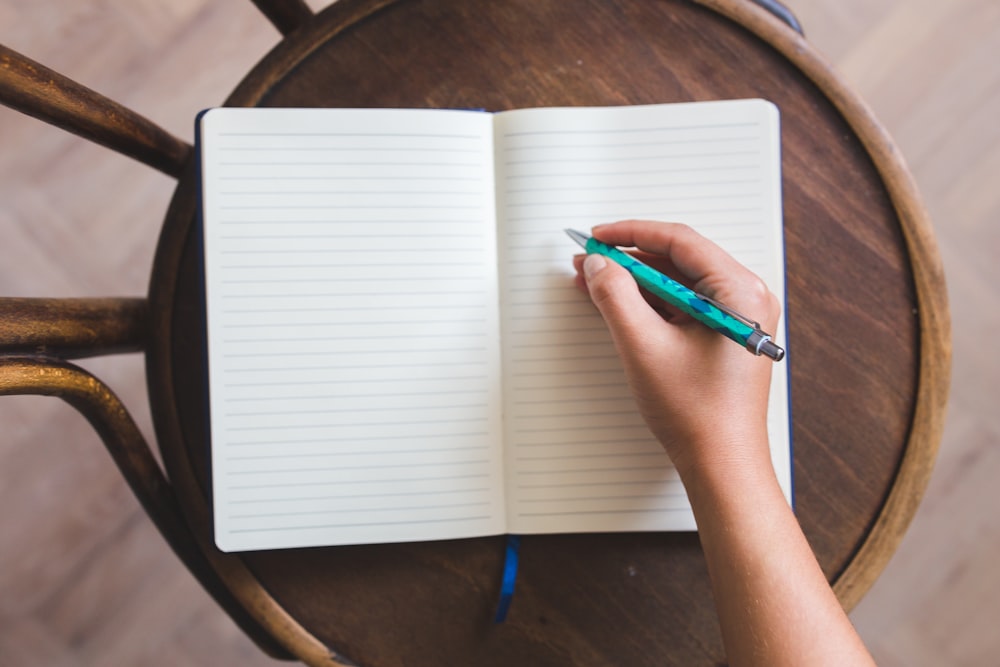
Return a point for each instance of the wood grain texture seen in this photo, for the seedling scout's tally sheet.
(925, 67)
(38, 91)
(38, 374)
(71, 328)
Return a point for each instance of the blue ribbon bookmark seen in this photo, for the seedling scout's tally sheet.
(509, 577)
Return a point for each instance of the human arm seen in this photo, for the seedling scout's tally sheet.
(705, 399)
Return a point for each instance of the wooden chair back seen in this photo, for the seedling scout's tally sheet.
(38, 337)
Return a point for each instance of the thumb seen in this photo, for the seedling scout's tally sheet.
(616, 294)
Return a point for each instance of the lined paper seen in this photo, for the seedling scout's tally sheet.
(352, 329)
(396, 348)
(578, 456)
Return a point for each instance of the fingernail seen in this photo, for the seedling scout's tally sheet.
(592, 265)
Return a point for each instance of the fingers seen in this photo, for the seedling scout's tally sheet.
(706, 267)
(616, 294)
(693, 254)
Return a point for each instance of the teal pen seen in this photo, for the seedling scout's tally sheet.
(709, 312)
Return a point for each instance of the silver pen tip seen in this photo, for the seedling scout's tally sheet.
(579, 237)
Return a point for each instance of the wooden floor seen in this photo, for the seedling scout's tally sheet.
(86, 580)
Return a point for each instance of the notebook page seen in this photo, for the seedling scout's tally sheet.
(352, 326)
(579, 457)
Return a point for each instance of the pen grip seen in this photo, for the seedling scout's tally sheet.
(674, 293)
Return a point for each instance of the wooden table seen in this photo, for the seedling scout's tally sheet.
(867, 315)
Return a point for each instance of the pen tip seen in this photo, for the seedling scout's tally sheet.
(579, 237)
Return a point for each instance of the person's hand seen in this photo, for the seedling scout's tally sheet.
(702, 395)
(705, 398)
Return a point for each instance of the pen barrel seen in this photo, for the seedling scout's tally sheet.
(676, 294)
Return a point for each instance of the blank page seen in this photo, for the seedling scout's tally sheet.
(354, 379)
(579, 457)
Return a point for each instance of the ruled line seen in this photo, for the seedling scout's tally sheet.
(633, 158)
(657, 171)
(357, 510)
(632, 130)
(625, 188)
(580, 457)
(436, 378)
(637, 496)
(350, 149)
(381, 352)
(554, 485)
(555, 147)
(365, 524)
(274, 177)
(345, 163)
(299, 499)
(329, 411)
(342, 468)
(634, 510)
(353, 482)
(297, 325)
(380, 452)
(312, 427)
(284, 442)
(351, 134)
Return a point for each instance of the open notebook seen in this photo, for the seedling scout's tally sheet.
(396, 349)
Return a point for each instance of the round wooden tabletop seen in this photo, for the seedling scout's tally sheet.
(868, 334)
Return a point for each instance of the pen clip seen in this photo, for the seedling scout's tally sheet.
(729, 311)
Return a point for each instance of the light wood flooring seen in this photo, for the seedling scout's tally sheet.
(86, 580)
